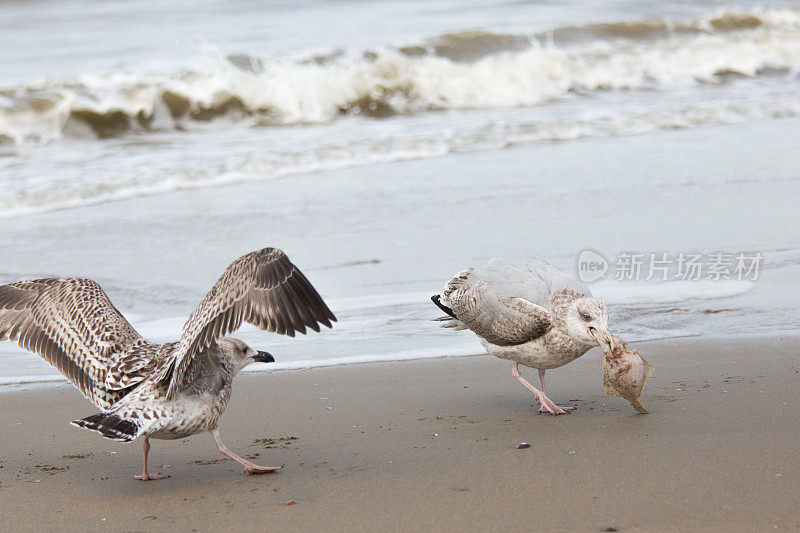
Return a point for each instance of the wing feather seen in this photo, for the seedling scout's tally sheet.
(263, 288)
(500, 319)
(508, 303)
(71, 323)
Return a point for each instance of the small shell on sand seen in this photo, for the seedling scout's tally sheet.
(624, 374)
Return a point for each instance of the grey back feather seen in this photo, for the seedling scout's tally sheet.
(508, 303)
(535, 280)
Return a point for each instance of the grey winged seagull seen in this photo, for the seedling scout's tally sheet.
(161, 391)
(532, 314)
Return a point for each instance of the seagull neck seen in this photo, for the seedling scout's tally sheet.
(561, 300)
(560, 341)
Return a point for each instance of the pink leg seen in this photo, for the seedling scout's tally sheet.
(544, 391)
(249, 467)
(145, 476)
(544, 400)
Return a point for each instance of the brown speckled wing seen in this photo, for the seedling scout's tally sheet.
(73, 325)
(504, 321)
(262, 288)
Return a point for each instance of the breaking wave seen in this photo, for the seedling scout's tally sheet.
(26, 200)
(467, 70)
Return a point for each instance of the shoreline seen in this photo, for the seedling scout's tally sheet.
(431, 443)
(313, 364)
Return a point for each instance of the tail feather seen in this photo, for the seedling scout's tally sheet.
(449, 321)
(110, 426)
(436, 299)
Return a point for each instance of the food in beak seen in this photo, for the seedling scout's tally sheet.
(611, 343)
(624, 373)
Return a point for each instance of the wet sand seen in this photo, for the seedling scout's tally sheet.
(431, 444)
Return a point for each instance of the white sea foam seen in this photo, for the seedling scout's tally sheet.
(501, 72)
(365, 317)
(432, 353)
(391, 82)
(20, 380)
(638, 292)
(76, 193)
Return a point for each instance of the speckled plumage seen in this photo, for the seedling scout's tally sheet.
(531, 313)
(73, 325)
(164, 391)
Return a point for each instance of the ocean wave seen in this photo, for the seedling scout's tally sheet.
(472, 45)
(780, 258)
(22, 201)
(721, 21)
(468, 70)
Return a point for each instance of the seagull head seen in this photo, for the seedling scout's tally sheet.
(587, 321)
(239, 354)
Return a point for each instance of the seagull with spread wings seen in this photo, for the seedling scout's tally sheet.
(160, 391)
(532, 314)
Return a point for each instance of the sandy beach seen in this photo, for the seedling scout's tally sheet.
(432, 444)
(647, 147)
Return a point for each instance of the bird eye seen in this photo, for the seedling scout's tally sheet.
(586, 317)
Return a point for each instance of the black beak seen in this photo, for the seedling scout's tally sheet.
(264, 357)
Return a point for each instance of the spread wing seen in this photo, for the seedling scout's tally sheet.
(73, 325)
(500, 319)
(262, 288)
